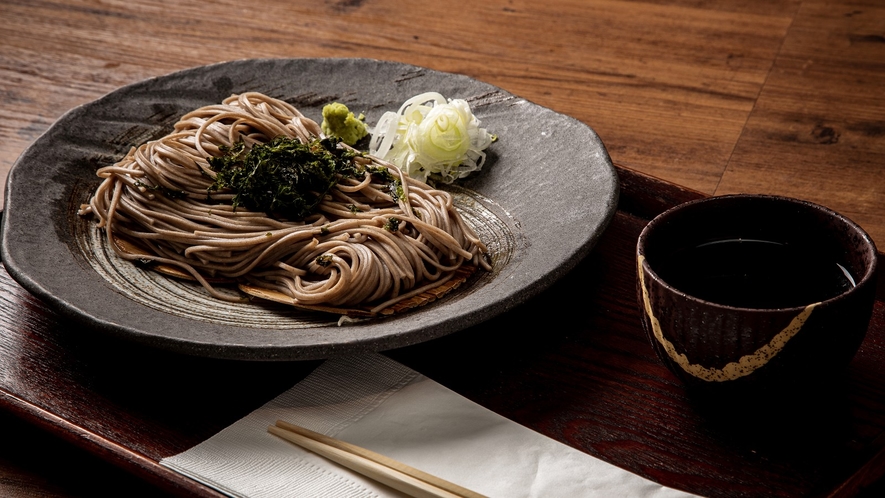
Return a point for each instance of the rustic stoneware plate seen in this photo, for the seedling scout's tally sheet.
(541, 202)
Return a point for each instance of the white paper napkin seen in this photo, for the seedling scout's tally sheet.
(372, 401)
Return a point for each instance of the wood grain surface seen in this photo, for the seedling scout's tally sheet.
(718, 96)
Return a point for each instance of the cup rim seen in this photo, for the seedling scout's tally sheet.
(870, 246)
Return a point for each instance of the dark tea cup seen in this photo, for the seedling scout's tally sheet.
(749, 289)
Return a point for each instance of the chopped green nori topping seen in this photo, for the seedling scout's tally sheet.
(392, 224)
(382, 172)
(283, 178)
(354, 208)
(395, 189)
(324, 260)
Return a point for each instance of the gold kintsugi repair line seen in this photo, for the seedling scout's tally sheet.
(745, 365)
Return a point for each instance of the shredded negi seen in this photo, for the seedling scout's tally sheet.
(432, 138)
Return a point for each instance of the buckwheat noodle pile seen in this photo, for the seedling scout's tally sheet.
(343, 255)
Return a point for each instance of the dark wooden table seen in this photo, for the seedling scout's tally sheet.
(715, 96)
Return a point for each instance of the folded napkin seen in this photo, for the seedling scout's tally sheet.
(372, 401)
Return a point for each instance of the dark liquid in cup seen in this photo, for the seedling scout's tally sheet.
(755, 274)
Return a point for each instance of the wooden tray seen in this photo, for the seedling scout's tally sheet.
(573, 364)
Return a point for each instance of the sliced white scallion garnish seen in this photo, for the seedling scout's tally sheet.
(432, 137)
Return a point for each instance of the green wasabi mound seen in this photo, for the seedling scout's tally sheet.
(339, 122)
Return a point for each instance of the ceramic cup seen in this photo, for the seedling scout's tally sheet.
(743, 288)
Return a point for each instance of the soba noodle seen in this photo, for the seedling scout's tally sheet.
(350, 252)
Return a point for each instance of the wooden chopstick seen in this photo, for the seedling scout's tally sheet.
(378, 467)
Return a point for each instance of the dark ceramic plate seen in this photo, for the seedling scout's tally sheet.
(541, 202)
